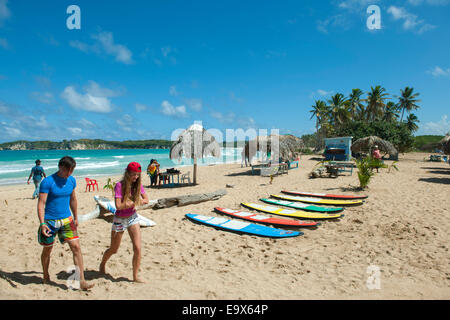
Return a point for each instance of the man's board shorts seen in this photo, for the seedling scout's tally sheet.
(64, 228)
(122, 224)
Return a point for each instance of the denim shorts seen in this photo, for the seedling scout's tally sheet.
(121, 224)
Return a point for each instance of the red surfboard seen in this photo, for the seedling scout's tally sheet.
(265, 219)
(324, 195)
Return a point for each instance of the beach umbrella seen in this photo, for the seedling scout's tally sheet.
(367, 144)
(195, 143)
(290, 146)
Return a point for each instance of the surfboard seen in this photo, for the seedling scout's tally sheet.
(302, 206)
(291, 212)
(109, 205)
(242, 227)
(318, 200)
(265, 219)
(325, 195)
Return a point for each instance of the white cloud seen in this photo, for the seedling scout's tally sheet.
(438, 71)
(12, 132)
(170, 110)
(321, 93)
(440, 127)
(430, 2)
(43, 97)
(122, 53)
(95, 99)
(86, 123)
(81, 46)
(94, 89)
(324, 93)
(228, 117)
(5, 13)
(168, 53)
(194, 104)
(173, 91)
(105, 45)
(75, 131)
(410, 21)
(337, 21)
(140, 107)
(355, 5)
(242, 121)
(126, 122)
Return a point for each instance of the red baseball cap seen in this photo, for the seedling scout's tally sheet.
(134, 166)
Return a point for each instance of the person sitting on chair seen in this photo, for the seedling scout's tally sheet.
(153, 172)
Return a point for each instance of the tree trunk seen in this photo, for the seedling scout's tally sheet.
(195, 171)
(187, 199)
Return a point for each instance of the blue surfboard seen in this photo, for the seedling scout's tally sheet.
(242, 227)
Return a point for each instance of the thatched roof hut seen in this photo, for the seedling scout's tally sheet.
(195, 143)
(285, 146)
(368, 143)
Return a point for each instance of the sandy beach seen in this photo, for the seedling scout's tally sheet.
(402, 229)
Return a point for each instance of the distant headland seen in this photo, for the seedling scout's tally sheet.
(85, 144)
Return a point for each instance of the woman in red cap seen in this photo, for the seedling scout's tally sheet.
(129, 193)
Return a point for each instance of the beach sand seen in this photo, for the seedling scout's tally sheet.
(402, 229)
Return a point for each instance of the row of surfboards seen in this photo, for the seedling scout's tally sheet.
(290, 199)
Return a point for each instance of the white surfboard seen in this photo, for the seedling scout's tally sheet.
(109, 205)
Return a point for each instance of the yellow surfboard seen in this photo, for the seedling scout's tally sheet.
(290, 212)
(318, 200)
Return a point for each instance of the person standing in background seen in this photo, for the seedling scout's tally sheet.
(37, 172)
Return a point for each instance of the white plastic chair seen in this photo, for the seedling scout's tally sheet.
(186, 176)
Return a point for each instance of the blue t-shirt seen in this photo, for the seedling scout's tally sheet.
(59, 191)
(37, 172)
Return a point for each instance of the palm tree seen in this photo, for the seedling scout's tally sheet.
(355, 103)
(319, 110)
(407, 101)
(375, 102)
(411, 121)
(339, 109)
(390, 111)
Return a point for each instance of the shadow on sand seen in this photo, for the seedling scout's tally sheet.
(436, 180)
(26, 278)
(90, 275)
(170, 186)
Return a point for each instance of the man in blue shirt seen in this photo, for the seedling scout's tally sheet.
(57, 213)
(36, 172)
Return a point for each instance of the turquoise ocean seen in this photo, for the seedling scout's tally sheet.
(15, 166)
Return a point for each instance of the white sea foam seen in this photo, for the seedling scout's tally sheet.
(97, 165)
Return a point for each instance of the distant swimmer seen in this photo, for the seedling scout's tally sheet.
(37, 172)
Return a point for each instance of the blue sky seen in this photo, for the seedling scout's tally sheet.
(141, 69)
